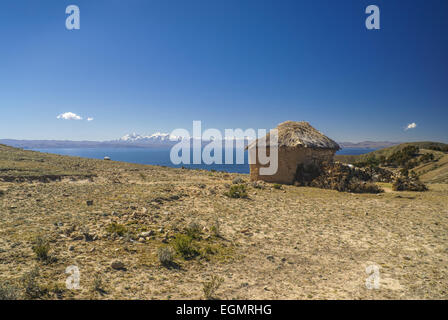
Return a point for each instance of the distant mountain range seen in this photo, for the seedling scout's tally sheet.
(156, 140)
(368, 144)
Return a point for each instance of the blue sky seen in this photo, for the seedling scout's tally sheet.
(146, 66)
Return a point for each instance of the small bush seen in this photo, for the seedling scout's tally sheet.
(277, 186)
(404, 172)
(215, 228)
(193, 230)
(404, 157)
(211, 287)
(257, 185)
(9, 292)
(237, 180)
(32, 288)
(116, 228)
(409, 184)
(41, 248)
(237, 191)
(166, 256)
(183, 244)
(427, 157)
(98, 285)
(2, 193)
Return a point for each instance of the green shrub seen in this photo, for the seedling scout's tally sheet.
(116, 228)
(277, 186)
(237, 191)
(403, 156)
(41, 248)
(427, 157)
(183, 245)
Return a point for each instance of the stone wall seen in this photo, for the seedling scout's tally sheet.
(288, 161)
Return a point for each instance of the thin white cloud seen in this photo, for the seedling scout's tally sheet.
(412, 125)
(69, 116)
(89, 119)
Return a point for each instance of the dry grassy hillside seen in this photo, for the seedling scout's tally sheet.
(435, 171)
(110, 219)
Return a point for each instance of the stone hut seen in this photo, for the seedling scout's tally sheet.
(299, 145)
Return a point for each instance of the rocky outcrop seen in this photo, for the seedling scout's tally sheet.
(337, 176)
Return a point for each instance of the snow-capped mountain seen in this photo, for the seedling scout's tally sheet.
(131, 137)
(154, 138)
(159, 139)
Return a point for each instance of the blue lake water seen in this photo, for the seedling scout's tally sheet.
(161, 157)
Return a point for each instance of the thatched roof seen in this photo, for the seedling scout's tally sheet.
(293, 134)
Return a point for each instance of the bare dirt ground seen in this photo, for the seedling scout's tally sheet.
(289, 243)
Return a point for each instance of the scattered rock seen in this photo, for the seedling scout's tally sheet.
(89, 202)
(146, 234)
(117, 265)
(88, 237)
